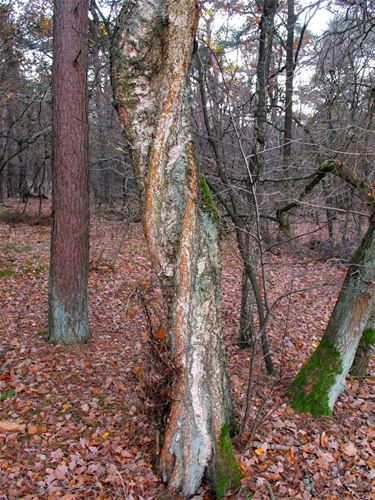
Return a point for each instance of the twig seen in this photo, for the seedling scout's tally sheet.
(271, 446)
(271, 494)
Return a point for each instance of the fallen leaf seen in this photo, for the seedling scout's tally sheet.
(160, 333)
(323, 440)
(9, 426)
(350, 450)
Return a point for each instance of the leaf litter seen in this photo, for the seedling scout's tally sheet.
(78, 421)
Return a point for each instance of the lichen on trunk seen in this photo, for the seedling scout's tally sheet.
(151, 57)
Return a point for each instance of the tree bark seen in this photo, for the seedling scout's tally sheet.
(289, 67)
(321, 380)
(151, 56)
(68, 316)
(246, 333)
(365, 349)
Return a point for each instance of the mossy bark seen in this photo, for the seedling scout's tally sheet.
(365, 349)
(321, 380)
(228, 473)
(151, 56)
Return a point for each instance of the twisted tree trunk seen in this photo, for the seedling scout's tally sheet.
(151, 56)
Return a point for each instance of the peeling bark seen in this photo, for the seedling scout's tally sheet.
(321, 380)
(151, 56)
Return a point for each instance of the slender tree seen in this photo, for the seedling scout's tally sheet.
(289, 68)
(68, 317)
(150, 62)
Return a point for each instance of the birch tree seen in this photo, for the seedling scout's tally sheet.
(151, 56)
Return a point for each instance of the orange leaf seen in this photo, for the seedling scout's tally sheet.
(130, 313)
(160, 333)
(323, 440)
(137, 371)
(243, 468)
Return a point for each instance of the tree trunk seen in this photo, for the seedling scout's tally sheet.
(326, 183)
(365, 349)
(246, 333)
(321, 380)
(289, 67)
(68, 317)
(151, 56)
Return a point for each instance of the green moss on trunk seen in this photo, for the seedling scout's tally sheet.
(228, 473)
(309, 390)
(208, 202)
(326, 167)
(368, 336)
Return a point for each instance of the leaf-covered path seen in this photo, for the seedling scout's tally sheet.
(78, 422)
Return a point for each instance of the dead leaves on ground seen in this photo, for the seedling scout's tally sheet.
(76, 421)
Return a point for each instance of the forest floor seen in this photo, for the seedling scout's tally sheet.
(79, 421)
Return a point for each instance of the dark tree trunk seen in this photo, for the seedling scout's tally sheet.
(263, 73)
(321, 380)
(289, 67)
(68, 317)
(150, 62)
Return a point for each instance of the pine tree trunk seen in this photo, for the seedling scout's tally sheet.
(365, 349)
(151, 56)
(68, 317)
(321, 380)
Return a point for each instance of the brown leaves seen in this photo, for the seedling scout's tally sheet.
(350, 450)
(87, 417)
(10, 426)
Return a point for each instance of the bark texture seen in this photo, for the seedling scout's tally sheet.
(289, 68)
(151, 56)
(365, 349)
(321, 380)
(246, 333)
(68, 317)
